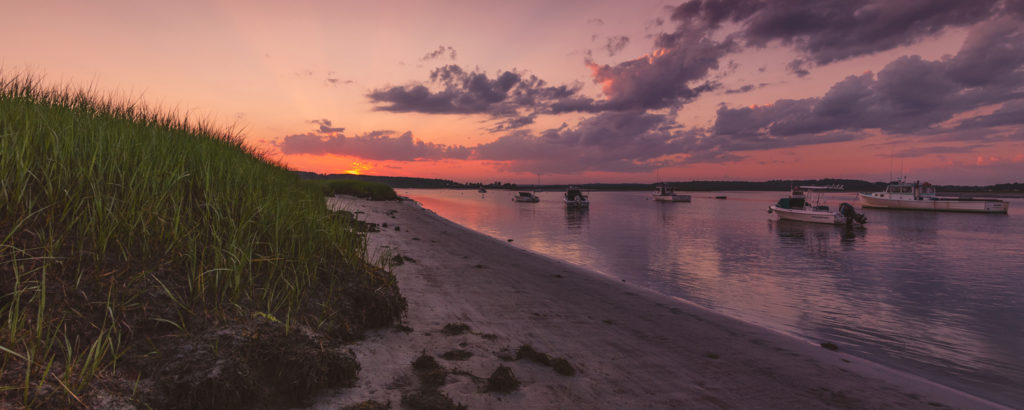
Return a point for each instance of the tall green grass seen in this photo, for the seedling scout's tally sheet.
(118, 221)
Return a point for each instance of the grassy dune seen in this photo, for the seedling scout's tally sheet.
(127, 233)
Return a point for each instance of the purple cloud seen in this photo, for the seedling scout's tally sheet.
(909, 96)
(376, 145)
(828, 31)
(511, 95)
(441, 51)
(616, 44)
(633, 126)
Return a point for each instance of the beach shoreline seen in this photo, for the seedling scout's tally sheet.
(630, 347)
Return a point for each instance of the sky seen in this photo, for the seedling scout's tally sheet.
(570, 91)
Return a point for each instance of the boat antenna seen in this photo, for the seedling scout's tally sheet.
(890, 163)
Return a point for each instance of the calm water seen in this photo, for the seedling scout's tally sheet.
(939, 294)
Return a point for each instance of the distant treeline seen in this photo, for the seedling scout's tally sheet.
(853, 185)
(394, 182)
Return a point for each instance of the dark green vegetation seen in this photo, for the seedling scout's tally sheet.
(150, 259)
(363, 189)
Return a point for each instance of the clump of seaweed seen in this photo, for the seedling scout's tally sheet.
(457, 355)
(558, 364)
(369, 405)
(430, 373)
(502, 380)
(454, 329)
(430, 400)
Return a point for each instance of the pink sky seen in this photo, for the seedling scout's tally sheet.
(576, 91)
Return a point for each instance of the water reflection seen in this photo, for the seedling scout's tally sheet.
(936, 293)
(576, 218)
(795, 232)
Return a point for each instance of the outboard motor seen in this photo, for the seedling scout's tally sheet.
(851, 214)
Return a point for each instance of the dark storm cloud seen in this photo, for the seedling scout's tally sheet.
(909, 95)
(375, 145)
(510, 95)
(828, 31)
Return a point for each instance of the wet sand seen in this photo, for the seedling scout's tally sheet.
(631, 348)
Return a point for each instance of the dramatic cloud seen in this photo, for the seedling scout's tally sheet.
(440, 52)
(510, 94)
(909, 95)
(633, 128)
(828, 31)
(375, 145)
(668, 77)
(616, 141)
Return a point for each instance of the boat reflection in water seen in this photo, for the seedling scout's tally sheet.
(819, 236)
(576, 218)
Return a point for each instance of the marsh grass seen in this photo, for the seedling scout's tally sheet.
(119, 222)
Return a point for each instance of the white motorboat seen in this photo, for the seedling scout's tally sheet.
(797, 207)
(904, 195)
(574, 198)
(525, 196)
(666, 193)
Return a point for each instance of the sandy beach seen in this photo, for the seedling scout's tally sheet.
(631, 348)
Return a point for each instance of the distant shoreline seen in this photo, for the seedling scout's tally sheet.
(850, 185)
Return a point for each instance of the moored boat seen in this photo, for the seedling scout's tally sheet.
(525, 196)
(666, 193)
(574, 198)
(797, 207)
(921, 196)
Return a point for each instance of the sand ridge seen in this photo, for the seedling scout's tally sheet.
(630, 348)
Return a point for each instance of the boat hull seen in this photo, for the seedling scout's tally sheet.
(935, 204)
(672, 198)
(802, 215)
(525, 198)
